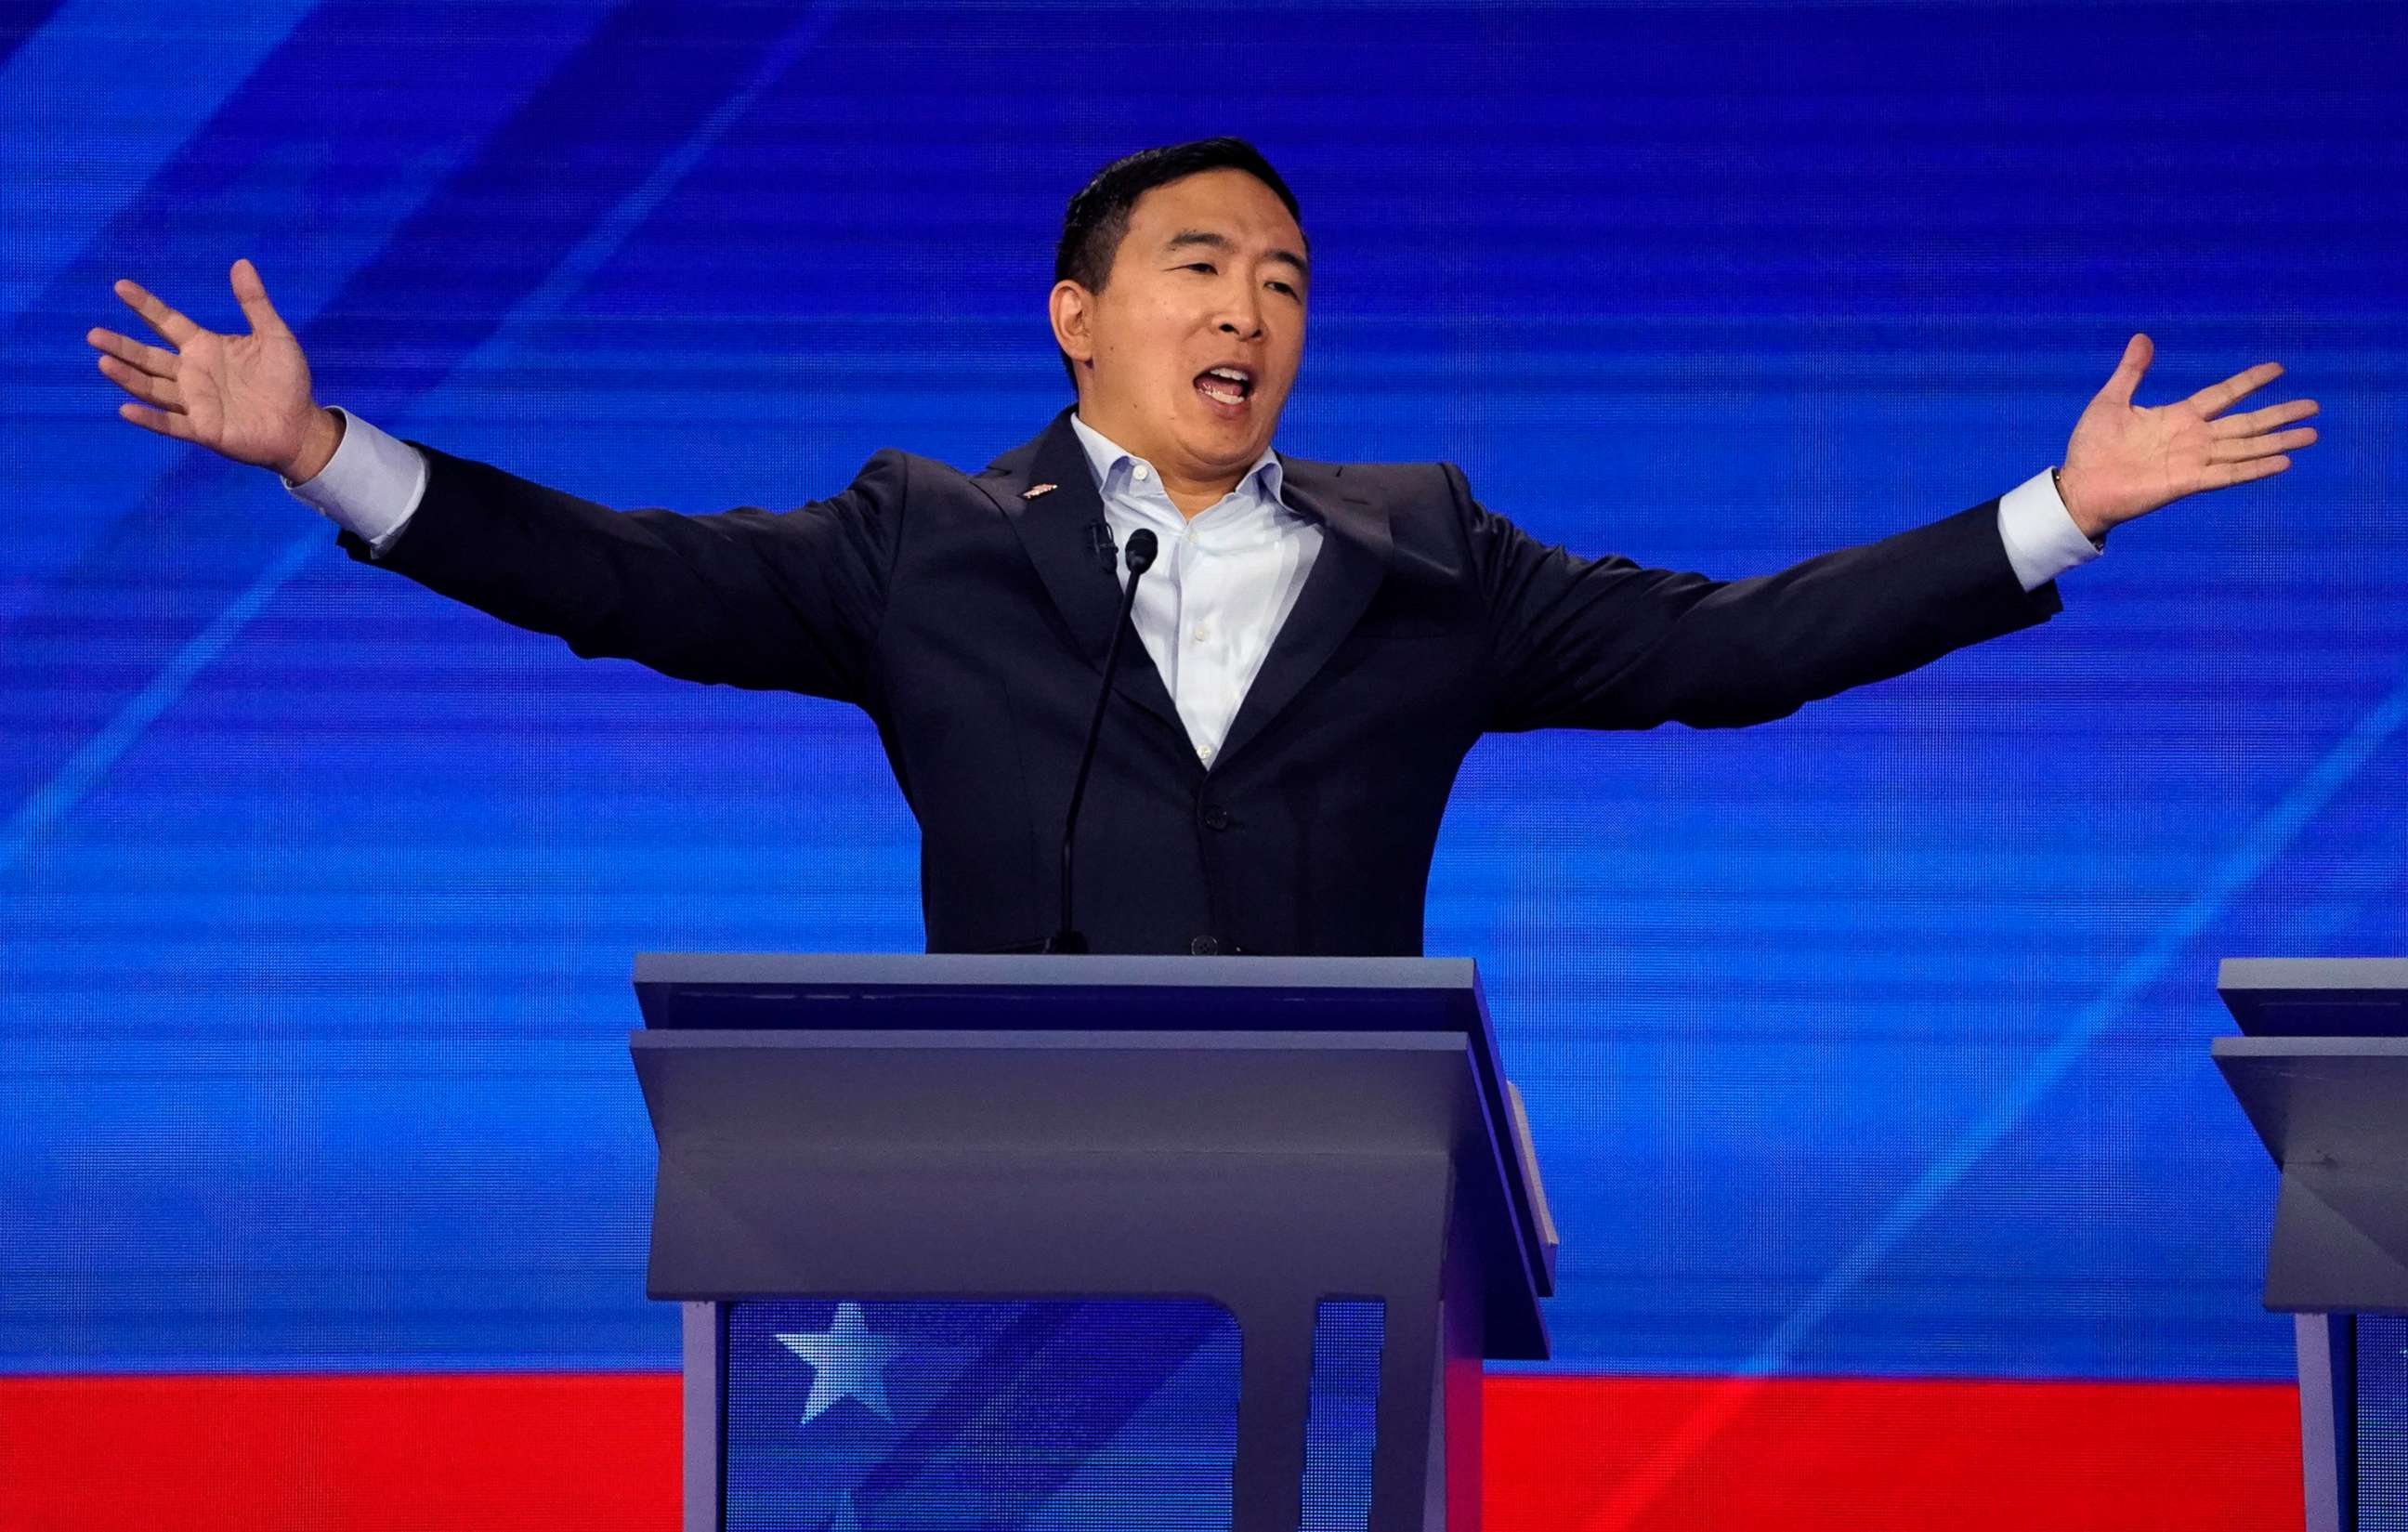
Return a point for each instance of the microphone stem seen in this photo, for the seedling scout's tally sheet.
(1068, 938)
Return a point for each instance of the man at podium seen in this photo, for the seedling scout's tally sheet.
(1317, 644)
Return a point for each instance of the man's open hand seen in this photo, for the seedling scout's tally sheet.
(245, 397)
(2125, 460)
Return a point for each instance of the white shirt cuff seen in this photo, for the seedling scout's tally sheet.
(370, 487)
(2041, 540)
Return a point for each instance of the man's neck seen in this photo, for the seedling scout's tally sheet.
(1193, 496)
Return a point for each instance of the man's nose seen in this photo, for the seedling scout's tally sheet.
(1243, 316)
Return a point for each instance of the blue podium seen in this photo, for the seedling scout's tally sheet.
(2322, 1072)
(1081, 1243)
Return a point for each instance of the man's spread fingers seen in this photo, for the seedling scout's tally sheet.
(156, 391)
(2244, 449)
(158, 421)
(2129, 371)
(2216, 398)
(175, 326)
(2224, 475)
(162, 392)
(2266, 419)
(154, 360)
(250, 291)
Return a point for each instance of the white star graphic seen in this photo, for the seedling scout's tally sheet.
(847, 1361)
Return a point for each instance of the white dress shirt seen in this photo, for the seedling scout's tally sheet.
(1222, 582)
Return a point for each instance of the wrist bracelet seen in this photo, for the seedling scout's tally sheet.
(2056, 481)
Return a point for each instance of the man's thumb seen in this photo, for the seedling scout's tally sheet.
(250, 291)
(2137, 352)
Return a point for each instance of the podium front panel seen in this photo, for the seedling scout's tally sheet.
(1052, 1415)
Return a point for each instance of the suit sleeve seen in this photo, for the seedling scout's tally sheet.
(1606, 644)
(786, 601)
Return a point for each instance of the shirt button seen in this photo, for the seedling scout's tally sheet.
(1140, 473)
(1202, 632)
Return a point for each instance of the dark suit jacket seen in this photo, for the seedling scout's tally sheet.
(972, 622)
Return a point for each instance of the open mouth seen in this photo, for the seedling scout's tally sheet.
(1228, 387)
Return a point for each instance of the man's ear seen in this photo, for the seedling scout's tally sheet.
(1072, 310)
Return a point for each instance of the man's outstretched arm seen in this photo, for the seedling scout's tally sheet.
(1603, 643)
(750, 598)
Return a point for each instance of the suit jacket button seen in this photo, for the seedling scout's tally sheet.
(1216, 818)
(1204, 946)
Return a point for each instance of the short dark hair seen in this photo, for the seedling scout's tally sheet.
(1097, 217)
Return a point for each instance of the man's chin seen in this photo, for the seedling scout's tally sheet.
(1225, 446)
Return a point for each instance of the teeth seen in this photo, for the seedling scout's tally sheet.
(1224, 385)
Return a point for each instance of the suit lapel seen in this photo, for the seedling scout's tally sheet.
(1353, 558)
(1054, 528)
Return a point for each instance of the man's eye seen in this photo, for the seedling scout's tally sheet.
(1282, 287)
(1199, 266)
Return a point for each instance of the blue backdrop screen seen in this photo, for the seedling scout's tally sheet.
(1872, 1042)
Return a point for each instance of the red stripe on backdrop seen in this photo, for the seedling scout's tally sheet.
(598, 1453)
(419, 1452)
(1632, 1454)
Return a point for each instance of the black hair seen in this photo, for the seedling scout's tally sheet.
(1097, 217)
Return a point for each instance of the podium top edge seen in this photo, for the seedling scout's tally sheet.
(2286, 1049)
(2316, 996)
(931, 991)
(1035, 970)
(2312, 973)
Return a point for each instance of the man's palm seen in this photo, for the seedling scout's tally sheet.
(245, 396)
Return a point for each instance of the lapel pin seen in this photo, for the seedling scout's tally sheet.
(1032, 490)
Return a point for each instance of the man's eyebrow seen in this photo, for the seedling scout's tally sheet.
(1186, 239)
(1206, 238)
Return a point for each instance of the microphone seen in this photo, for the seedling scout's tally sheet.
(1142, 546)
(1099, 542)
